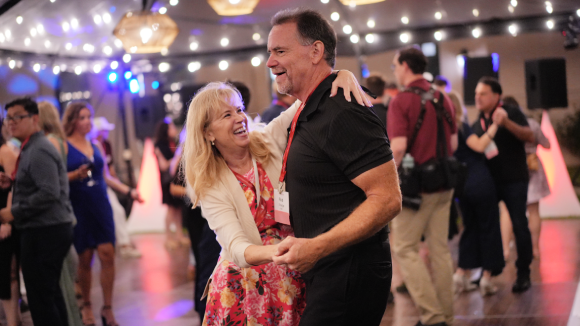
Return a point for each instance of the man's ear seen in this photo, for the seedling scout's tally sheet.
(317, 52)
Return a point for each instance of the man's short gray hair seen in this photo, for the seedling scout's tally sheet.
(311, 27)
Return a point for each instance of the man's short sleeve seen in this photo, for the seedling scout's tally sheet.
(356, 141)
(397, 118)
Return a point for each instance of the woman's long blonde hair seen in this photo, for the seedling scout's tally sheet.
(202, 162)
(460, 112)
(48, 120)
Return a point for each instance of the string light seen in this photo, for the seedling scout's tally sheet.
(33, 32)
(2, 38)
(118, 43)
(107, 50)
(549, 8)
(68, 46)
(335, 16)
(40, 28)
(56, 70)
(513, 29)
(78, 70)
(175, 2)
(256, 37)
(354, 38)
(405, 37)
(97, 19)
(256, 61)
(371, 23)
(127, 58)
(475, 12)
(164, 67)
(74, 23)
(438, 35)
(65, 26)
(511, 9)
(193, 66)
(97, 68)
(405, 20)
(8, 33)
(19, 20)
(12, 64)
(114, 65)
(550, 24)
(36, 67)
(27, 41)
(324, 1)
(162, 10)
(347, 29)
(370, 38)
(438, 15)
(107, 18)
(514, 3)
(223, 65)
(47, 44)
(193, 46)
(476, 32)
(224, 42)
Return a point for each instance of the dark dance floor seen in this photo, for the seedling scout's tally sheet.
(155, 289)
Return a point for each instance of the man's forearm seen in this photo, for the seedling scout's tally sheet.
(524, 134)
(371, 216)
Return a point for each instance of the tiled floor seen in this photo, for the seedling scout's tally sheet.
(155, 290)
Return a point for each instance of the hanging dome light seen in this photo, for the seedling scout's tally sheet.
(354, 3)
(146, 32)
(233, 7)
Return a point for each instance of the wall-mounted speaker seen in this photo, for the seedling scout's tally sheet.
(546, 83)
(147, 111)
(474, 69)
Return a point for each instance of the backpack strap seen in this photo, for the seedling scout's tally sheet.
(424, 98)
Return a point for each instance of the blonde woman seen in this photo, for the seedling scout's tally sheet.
(234, 172)
(49, 123)
(95, 231)
(480, 243)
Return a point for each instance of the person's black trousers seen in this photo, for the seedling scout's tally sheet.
(208, 254)
(42, 252)
(351, 286)
(515, 197)
(480, 244)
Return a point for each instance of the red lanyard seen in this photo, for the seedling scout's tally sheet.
(18, 159)
(483, 121)
(291, 136)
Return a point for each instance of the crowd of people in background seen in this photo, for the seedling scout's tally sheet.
(59, 200)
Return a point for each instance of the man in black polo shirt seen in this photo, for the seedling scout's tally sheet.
(376, 84)
(341, 179)
(508, 168)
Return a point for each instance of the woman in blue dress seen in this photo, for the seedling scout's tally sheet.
(95, 229)
(480, 244)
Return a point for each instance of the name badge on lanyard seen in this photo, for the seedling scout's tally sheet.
(282, 207)
(491, 150)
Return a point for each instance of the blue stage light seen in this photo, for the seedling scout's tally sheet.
(112, 77)
(128, 75)
(155, 85)
(134, 86)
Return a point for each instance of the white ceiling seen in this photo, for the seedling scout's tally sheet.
(198, 22)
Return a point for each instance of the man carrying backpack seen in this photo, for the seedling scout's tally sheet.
(419, 125)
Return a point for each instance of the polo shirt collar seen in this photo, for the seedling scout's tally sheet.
(312, 104)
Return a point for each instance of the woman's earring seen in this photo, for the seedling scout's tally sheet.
(212, 143)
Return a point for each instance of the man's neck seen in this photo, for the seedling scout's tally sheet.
(411, 78)
(28, 135)
(310, 85)
(487, 113)
(239, 161)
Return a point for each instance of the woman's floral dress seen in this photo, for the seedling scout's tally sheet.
(260, 295)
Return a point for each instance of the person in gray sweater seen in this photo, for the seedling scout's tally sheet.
(41, 211)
